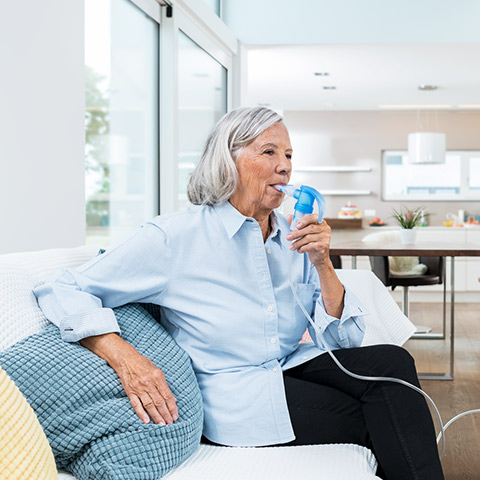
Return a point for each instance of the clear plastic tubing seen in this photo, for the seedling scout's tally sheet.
(363, 377)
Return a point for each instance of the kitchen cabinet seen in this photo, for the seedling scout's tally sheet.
(472, 276)
(472, 273)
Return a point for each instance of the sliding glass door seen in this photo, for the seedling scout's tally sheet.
(157, 81)
(202, 101)
(121, 119)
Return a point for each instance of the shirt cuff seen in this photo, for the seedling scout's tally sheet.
(352, 307)
(87, 324)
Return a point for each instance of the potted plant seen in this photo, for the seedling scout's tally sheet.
(408, 220)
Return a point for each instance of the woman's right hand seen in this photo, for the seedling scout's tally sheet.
(143, 382)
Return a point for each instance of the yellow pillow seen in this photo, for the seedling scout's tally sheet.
(24, 449)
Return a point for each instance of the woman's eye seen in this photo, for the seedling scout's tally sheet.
(268, 152)
(289, 156)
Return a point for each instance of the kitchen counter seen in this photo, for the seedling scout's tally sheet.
(456, 234)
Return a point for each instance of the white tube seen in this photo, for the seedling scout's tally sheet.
(454, 419)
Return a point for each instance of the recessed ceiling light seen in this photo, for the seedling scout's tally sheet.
(321, 74)
(329, 87)
(427, 88)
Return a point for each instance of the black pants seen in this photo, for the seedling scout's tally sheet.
(328, 406)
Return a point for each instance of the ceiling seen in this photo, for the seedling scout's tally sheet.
(366, 76)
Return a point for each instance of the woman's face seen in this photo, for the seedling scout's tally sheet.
(262, 163)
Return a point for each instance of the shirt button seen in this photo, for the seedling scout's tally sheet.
(275, 369)
(269, 308)
(305, 357)
(340, 327)
(273, 340)
(269, 251)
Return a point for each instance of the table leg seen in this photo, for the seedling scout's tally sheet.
(447, 376)
(452, 317)
(443, 335)
(444, 274)
(354, 262)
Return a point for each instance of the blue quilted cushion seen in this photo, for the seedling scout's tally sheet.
(82, 407)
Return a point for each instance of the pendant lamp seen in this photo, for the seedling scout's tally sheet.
(426, 147)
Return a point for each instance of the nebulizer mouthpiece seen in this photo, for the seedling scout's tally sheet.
(306, 198)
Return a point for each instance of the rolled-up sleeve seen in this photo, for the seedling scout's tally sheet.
(76, 313)
(80, 301)
(344, 332)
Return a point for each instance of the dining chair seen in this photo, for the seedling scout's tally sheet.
(336, 261)
(435, 275)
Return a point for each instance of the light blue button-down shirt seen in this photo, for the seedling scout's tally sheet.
(226, 300)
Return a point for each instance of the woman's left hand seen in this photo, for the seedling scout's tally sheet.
(313, 238)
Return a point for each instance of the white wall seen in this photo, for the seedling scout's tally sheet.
(357, 139)
(42, 200)
(352, 21)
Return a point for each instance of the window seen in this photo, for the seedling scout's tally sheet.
(202, 101)
(474, 175)
(121, 116)
(457, 179)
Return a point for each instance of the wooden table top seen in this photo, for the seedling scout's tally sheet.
(425, 249)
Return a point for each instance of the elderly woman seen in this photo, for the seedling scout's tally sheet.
(220, 272)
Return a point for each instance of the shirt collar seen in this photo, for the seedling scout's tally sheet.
(232, 220)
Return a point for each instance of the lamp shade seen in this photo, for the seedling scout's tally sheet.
(426, 147)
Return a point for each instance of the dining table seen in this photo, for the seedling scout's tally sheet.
(418, 249)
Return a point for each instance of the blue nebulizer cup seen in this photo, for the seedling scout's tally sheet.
(306, 198)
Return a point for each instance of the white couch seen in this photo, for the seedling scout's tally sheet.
(20, 316)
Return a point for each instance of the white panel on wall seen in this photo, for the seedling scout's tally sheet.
(42, 200)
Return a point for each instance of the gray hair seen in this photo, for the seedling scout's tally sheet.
(215, 177)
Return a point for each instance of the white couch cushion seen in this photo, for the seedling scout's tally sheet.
(20, 315)
(310, 462)
(385, 322)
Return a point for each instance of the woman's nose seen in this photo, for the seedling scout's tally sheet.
(284, 166)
